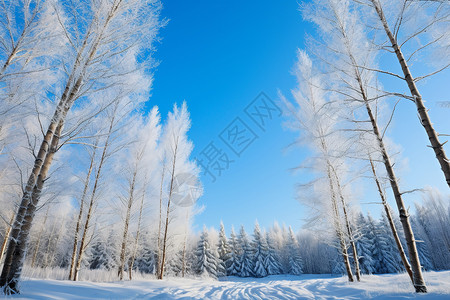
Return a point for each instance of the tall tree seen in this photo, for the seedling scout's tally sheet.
(317, 115)
(233, 260)
(353, 61)
(295, 260)
(182, 173)
(223, 250)
(245, 257)
(439, 15)
(272, 262)
(206, 260)
(140, 163)
(260, 252)
(102, 57)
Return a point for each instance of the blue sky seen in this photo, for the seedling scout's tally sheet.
(219, 56)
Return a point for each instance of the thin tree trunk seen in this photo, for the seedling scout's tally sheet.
(80, 214)
(17, 45)
(391, 223)
(6, 238)
(348, 227)
(126, 224)
(158, 260)
(183, 259)
(163, 259)
(338, 227)
(421, 109)
(83, 241)
(39, 238)
(138, 232)
(419, 282)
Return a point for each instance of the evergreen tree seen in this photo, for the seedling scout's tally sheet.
(364, 247)
(272, 262)
(232, 263)
(206, 260)
(295, 260)
(422, 247)
(337, 265)
(98, 256)
(260, 252)
(391, 246)
(246, 256)
(382, 252)
(223, 252)
(175, 265)
(145, 261)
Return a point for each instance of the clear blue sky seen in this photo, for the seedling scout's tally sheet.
(218, 56)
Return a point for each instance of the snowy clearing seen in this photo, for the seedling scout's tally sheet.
(393, 286)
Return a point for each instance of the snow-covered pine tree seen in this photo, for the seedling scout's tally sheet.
(260, 252)
(272, 262)
(246, 256)
(206, 260)
(391, 246)
(295, 260)
(422, 247)
(174, 265)
(432, 219)
(364, 246)
(98, 256)
(337, 265)
(384, 261)
(223, 251)
(145, 260)
(233, 259)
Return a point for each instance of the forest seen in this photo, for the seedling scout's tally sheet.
(95, 180)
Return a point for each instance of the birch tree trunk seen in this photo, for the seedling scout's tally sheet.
(183, 258)
(348, 226)
(338, 226)
(17, 247)
(391, 223)
(172, 178)
(158, 259)
(138, 232)
(419, 283)
(6, 238)
(80, 214)
(421, 109)
(126, 224)
(83, 241)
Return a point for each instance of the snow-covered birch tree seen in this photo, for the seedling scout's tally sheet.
(104, 41)
(182, 175)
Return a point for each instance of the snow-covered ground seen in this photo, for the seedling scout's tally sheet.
(272, 287)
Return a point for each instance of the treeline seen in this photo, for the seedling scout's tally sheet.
(277, 250)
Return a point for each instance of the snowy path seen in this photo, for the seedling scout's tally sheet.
(272, 287)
